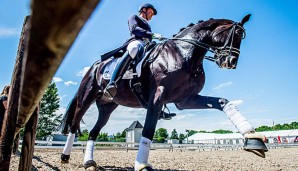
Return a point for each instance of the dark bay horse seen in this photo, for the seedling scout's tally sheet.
(179, 58)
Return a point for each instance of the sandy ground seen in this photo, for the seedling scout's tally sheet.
(276, 159)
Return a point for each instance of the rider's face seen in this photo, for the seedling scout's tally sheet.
(149, 13)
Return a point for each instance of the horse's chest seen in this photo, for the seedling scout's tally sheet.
(181, 85)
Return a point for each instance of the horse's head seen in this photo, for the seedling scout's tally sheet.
(226, 39)
(220, 36)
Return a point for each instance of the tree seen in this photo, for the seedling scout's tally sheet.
(123, 134)
(119, 137)
(102, 137)
(202, 131)
(161, 135)
(264, 128)
(191, 132)
(181, 137)
(222, 131)
(48, 120)
(286, 126)
(84, 136)
(174, 134)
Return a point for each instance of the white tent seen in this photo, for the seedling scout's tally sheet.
(281, 136)
(212, 138)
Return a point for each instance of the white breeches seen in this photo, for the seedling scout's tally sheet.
(133, 48)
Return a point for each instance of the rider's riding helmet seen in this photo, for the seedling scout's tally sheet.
(147, 5)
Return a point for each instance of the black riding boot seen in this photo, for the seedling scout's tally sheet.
(111, 89)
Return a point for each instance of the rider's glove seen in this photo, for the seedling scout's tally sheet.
(157, 36)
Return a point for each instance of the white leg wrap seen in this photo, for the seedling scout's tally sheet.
(237, 119)
(68, 144)
(89, 151)
(143, 153)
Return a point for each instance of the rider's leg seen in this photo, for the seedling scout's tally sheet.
(133, 50)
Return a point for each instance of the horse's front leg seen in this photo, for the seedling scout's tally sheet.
(104, 113)
(153, 112)
(253, 141)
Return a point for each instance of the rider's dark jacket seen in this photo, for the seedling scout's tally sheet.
(139, 30)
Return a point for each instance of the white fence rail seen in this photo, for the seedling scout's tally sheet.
(170, 147)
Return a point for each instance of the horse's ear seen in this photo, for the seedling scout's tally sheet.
(245, 19)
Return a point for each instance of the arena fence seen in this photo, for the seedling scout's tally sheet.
(154, 146)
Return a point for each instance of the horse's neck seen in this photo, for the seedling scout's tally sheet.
(194, 55)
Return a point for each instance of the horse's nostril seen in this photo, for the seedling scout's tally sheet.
(233, 61)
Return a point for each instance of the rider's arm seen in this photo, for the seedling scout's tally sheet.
(136, 30)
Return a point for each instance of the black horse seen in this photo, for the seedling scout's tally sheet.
(179, 58)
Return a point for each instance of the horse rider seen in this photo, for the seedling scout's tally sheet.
(141, 34)
(3, 104)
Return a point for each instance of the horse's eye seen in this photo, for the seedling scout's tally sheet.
(239, 32)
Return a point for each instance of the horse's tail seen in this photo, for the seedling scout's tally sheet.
(68, 116)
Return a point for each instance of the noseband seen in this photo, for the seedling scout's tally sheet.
(222, 51)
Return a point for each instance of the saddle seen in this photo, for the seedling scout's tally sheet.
(134, 69)
(133, 73)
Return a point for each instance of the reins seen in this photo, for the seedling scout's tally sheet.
(218, 51)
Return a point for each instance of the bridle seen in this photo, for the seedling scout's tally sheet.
(219, 52)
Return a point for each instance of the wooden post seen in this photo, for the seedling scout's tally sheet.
(29, 142)
(10, 118)
(16, 141)
(54, 26)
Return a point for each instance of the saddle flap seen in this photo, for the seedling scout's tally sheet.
(129, 74)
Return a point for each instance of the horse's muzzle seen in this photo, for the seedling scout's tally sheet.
(230, 62)
(233, 62)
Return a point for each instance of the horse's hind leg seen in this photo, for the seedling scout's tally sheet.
(86, 95)
(104, 111)
(253, 141)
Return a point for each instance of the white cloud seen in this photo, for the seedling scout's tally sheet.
(222, 85)
(8, 32)
(61, 110)
(61, 97)
(57, 79)
(68, 83)
(82, 72)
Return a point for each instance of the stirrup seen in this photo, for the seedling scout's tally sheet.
(107, 91)
(166, 116)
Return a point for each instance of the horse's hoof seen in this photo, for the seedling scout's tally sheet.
(256, 146)
(147, 169)
(90, 165)
(143, 166)
(65, 158)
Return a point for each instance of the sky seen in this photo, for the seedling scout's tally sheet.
(264, 83)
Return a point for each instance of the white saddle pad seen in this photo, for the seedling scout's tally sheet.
(110, 66)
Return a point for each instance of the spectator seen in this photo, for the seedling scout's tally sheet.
(3, 104)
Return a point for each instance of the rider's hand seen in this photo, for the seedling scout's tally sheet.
(157, 36)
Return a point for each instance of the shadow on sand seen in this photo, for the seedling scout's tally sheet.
(109, 168)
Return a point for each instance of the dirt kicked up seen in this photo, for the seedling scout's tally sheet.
(276, 160)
